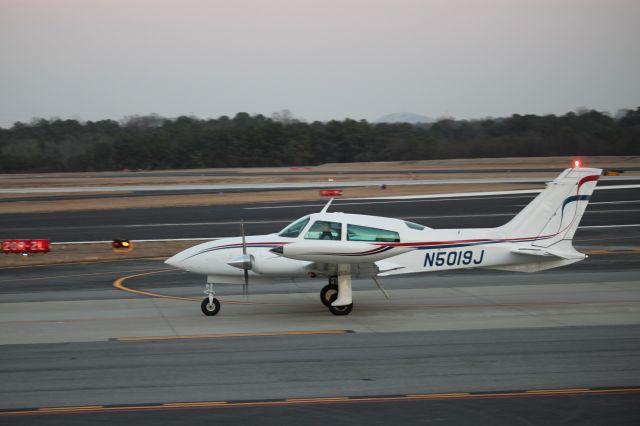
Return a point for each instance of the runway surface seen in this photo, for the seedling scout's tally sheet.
(69, 338)
(223, 220)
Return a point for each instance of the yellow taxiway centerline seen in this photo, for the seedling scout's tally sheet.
(119, 284)
(533, 393)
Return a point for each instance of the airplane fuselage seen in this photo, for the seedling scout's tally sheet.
(406, 251)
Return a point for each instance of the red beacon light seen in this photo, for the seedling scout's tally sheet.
(331, 192)
(577, 163)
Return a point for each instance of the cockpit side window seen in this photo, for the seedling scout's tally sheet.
(293, 230)
(365, 233)
(323, 230)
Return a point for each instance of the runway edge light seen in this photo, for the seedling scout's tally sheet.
(122, 246)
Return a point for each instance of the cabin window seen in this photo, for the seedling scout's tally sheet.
(293, 230)
(323, 230)
(415, 226)
(365, 233)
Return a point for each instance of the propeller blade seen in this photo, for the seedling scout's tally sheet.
(244, 242)
(245, 286)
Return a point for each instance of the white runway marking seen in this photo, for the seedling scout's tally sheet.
(432, 197)
(608, 226)
(338, 203)
(614, 202)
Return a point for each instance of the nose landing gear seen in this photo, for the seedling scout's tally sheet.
(210, 308)
(210, 305)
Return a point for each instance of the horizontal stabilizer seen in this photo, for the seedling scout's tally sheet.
(547, 252)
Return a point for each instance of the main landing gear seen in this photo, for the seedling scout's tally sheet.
(210, 305)
(329, 292)
(337, 294)
(341, 310)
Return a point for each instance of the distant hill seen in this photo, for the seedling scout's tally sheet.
(404, 117)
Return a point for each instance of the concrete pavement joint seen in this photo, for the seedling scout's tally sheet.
(225, 335)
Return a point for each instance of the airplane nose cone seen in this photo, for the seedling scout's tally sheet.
(173, 261)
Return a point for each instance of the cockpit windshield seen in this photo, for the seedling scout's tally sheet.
(293, 230)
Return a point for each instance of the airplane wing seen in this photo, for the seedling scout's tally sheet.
(368, 269)
(385, 266)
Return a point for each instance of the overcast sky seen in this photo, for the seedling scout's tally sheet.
(321, 59)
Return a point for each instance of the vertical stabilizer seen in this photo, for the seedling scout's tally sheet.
(555, 213)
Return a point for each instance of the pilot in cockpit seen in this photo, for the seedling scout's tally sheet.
(326, 232)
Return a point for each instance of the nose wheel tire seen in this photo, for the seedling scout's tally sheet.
(210, 309)
(341, 310)
(328, 294)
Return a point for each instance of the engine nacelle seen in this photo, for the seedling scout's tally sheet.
(267, 264)
(338, 252)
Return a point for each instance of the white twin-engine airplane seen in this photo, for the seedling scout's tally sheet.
(341, 246)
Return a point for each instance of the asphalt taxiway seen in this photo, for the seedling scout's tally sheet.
(462, 347)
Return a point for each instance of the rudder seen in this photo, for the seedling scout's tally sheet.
(555, 213)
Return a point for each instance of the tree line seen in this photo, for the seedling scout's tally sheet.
(154, 142)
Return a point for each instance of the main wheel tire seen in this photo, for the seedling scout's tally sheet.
(210, 309)
(328, 292)
(341, 310)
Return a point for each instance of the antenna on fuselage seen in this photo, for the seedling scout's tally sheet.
(326, 207)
